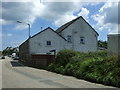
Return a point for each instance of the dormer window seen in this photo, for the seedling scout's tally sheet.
(69, 38)
(82, 40)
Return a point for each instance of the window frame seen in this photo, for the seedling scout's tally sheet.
(48, 43)
(82, 40)
(69, 38)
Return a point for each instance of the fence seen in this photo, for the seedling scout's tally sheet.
(42, 60)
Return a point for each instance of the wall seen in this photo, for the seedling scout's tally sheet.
(38, 43)
(42, 60)
(24, 52)
(0, 53)
(114, 44)
(78, 29)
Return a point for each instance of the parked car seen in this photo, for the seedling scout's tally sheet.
(2, 57)
(9, 55)
(16, 58)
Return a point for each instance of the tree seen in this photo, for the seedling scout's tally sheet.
(102, 44)
(10, 50)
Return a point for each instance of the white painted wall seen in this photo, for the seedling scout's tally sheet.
(83, 30)
(38, 43)
(114, 44)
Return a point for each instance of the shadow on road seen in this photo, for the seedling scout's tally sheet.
(16, 64)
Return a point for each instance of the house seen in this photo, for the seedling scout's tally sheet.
(75, 35)
(80, 35)
(114, 44)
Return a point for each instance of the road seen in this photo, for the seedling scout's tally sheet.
(15, 75)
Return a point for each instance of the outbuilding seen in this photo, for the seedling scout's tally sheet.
(114, 44)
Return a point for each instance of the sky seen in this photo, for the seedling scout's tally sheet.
(102, 16)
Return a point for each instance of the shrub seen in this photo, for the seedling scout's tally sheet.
(56, 68)
(64, 56)
(92, 66)
(51, 67)
(70, 69)
(97, 54)
(59, 69)
(94, 76)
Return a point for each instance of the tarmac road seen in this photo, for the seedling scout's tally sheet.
(15, 75)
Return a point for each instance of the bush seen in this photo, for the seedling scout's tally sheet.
(97, 54)
(64, 56)
(70, 69)
(56, 68)
(51, 67)
(92, 66)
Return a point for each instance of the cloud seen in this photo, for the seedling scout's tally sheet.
(107, 17)
(12, 11)
(57, 12)
(0, 34)
(5, 35)
(64, 19)
(61, 12)
(23, 11)
(0, 40)
(28, 12)
(9, 34)
(84, 12)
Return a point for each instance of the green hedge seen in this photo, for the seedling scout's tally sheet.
(92, 66)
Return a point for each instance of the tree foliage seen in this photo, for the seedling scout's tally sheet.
(10, 50)
(102, 44)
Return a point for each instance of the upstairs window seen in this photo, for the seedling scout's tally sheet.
(48, 43)
(69, 38)
(82, 40)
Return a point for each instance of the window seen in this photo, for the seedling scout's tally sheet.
(82, 40)
(48, 43)
(69, 38)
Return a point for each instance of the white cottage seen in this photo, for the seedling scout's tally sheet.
(75, 35)
(80, 35)
(45, 41)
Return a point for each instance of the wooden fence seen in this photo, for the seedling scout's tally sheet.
(42, 60)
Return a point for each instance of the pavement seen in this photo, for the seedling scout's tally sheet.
(15, 75)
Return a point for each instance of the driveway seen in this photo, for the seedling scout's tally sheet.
(15, 75)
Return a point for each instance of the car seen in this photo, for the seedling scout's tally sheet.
(9, 55)
(16, 58)
(2, 57)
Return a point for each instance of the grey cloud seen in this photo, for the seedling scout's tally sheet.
(55, 10)
(29, 11)
(112, 14)
(107, 17)
(12, 11)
